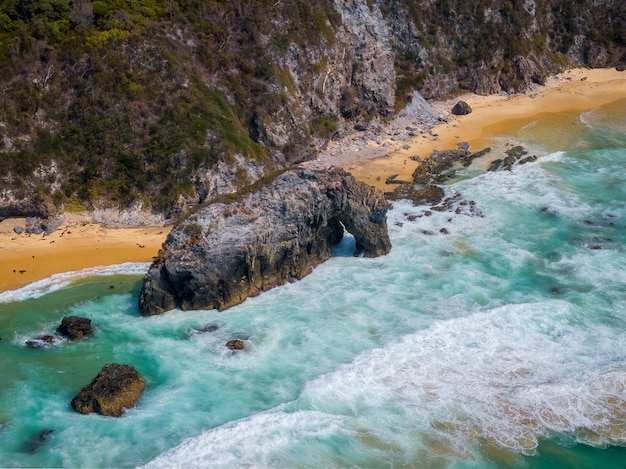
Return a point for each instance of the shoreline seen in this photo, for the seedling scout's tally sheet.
(573, 91)
(78, 244)
(371, 157)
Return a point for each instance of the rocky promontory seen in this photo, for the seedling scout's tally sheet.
(249, 242)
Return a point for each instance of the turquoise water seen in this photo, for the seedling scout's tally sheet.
(499, 344)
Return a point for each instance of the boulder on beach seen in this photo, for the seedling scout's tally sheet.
(461, 108)
(74, 327)
(115, 389)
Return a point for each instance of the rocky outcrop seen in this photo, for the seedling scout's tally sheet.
(75, 327)
(434, 168)
(115, 389)
(461, 108)
(515, 156)
(274, 233)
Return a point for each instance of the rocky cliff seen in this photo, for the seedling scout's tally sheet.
(169, 103)
(276, 232)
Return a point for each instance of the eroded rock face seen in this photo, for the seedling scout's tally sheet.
(276, 233)
(115, 389)
(75, 327)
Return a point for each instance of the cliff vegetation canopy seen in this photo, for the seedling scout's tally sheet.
(167, 102)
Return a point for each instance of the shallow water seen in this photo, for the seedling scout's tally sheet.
(499, 344)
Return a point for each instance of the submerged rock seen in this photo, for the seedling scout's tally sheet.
(250, 242)
(114, 389)
(74, 327)
(428, 195)
(235, 344)
(41, 341)
(35, 442)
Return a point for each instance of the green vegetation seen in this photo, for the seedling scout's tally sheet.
(118, 101)
(113, 95)
(469, 39)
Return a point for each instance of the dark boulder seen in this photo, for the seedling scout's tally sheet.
(461, 108)
(75, 327)
(115, 389)
(274, 232)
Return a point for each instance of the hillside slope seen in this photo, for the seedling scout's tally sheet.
(165, 103)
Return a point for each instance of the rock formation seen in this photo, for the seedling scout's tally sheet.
(461, 108)
(274, 233)
(74, 327)
(114, 389)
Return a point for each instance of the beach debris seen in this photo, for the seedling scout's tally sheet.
(461, 108)
(114, 389)
(75, 327)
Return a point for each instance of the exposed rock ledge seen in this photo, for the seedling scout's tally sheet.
(274, 233)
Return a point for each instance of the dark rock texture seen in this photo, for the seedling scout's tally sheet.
(461, 108)
(74, 327)
(436, 165)
(427, 195)
(115, 389)
(274, 233)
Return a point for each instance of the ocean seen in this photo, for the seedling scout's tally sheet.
(497, 342)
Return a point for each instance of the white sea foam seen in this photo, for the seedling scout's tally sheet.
(262, 440)
(62, 280)
(501, 378)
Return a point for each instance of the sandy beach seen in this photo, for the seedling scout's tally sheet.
(573, 91)
(77, 245)
(80, 244)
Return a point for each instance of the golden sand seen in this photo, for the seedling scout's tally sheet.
(25, 258)
(78, 245)
(574, 91)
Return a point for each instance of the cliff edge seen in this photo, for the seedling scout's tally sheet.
(248, 243)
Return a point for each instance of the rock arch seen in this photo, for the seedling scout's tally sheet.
(226, 252)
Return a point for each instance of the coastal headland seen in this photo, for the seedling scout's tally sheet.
(372, 158)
